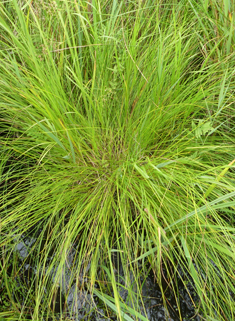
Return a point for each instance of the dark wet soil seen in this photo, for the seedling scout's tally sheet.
(90, 307)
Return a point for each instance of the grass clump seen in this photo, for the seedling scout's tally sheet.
(117, 145)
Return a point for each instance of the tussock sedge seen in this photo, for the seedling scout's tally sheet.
(117, 153)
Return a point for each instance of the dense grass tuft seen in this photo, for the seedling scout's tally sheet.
(117, 140)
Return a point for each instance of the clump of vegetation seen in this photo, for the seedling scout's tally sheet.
(117, 141)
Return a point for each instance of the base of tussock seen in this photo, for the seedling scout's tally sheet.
(117, 136)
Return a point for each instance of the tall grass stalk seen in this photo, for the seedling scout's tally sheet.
(117, 140)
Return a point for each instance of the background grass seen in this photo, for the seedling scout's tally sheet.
(117, 138)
